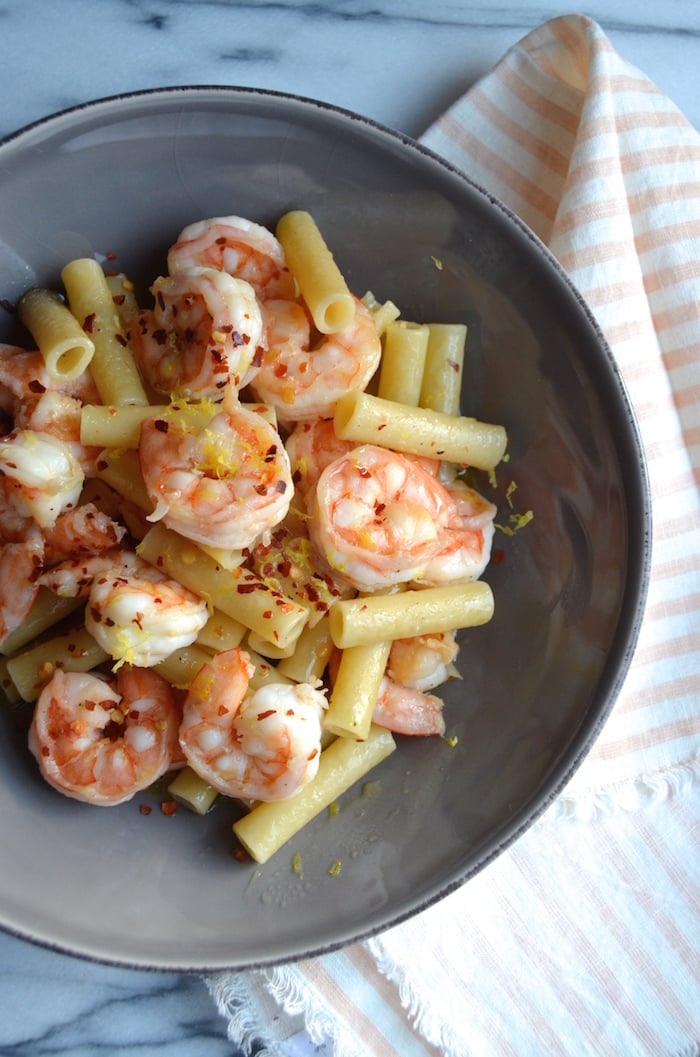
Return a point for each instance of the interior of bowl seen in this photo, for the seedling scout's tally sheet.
(122, 177)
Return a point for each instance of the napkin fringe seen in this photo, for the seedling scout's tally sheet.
(630, 794)
(295, 998)
(237, 1003)
(422, 1020)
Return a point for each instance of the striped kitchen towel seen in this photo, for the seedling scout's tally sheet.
(582, 939)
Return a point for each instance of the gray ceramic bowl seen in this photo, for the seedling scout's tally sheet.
(124, 175)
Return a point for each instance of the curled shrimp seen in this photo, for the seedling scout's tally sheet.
(303, 374)
(102, 743)
(423, 662)
(20, 565)
(43, 476)
(138, 615)
(311, 446)
(80, 531)
(203, 333)
(238, 246)
(223, 483)
(382, 519)
(262, 746)
(405, 710)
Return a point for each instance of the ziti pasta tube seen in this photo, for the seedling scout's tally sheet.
(66, 348)
(320, 281)
(366, 419)
(429, 611)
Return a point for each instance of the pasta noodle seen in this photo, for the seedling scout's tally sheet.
(429, 611)
(66, 349)
(403, 362)
(356, 689)
(92, 303)
(366, 419)
(321, 283)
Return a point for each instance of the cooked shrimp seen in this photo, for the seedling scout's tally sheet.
(382, 519)
(100, 743)
(405, 710)
(264, 746)
(311, 446)
(423, 662)
(139, 616)
(23, 378)
(42, 473)
(74, 577)
(59, 415)
(20, 564)
(237, 246)
(225, 483)
(204, 333)
(80, 531)
(304, 374)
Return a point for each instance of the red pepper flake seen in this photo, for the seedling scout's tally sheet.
(363, 471)
(245, 589)
(239, 855)
(267, 714)
(313, 754)
(280, 370)
(119, 299)
(102, 464)
(89, 323)
(258, 356)
(145, 809)
(160, 336)
(267, 614)
(382, 425)
(168, 807)
(121, 340)
(222, 710)
(454, 365)
(161, 425)
(111, 256)
(35, 386)
(498, 556)
(161, 301)
(96, 615)
(261, 489)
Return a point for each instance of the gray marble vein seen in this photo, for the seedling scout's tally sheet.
(400, 62)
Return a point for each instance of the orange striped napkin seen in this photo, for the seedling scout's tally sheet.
(584, 937)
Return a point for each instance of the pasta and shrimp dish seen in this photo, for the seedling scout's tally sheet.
(236, 538)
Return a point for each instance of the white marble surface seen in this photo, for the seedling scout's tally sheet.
(398, 61)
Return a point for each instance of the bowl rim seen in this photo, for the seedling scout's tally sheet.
(639, 559)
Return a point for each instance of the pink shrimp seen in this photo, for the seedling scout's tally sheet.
(311, 446)
(303, 374)
(102, 743)
(381, 519)
(42, 475)
(203, 334)
(20, 565)
(224, 483)
(237, 246)
(81, 531)
(138, 615)
(262, 746)
(423, 662)
(405, 710)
